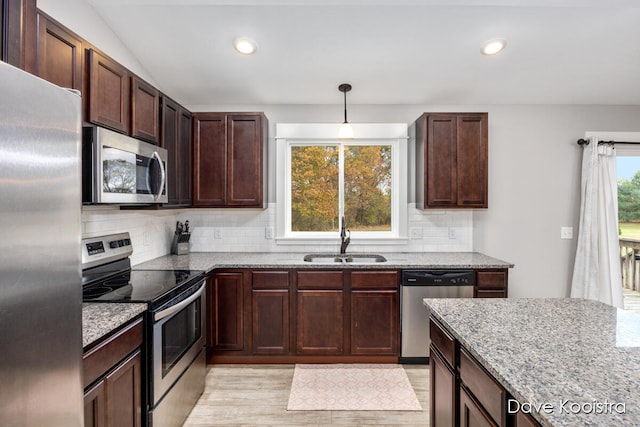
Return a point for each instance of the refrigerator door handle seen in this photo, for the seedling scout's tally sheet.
(163, 175)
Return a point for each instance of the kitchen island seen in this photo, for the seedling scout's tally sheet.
(566, 362)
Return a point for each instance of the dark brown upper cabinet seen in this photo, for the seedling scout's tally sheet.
(451, 160)
(18, 33)
(145, 111)
(229, 160)
(60, 54)
(109, 92)
(176, 139)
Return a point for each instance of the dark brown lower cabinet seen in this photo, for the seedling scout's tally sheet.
(374, 320)
(94, 406)
(303, 315)
(227, 308)
(270, 321)
(444, 386)
(320, 322)
(112, 376)
(525, 420)
(471, 413)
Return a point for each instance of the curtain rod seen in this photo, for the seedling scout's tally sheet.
(583, 141)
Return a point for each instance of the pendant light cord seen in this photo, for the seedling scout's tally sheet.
(345, 106)
(344, 88)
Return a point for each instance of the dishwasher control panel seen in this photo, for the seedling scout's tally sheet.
(438, 277)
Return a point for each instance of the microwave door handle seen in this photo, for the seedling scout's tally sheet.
(163, 175)
(182, 304)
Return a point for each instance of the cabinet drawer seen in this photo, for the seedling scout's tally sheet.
(491, 294)
(374, 279)
(484, 388)
(270, 279)
(442, 341)
(107, 354)
(319, 279)
(491, 280)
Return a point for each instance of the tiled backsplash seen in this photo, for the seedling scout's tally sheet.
(245, 230)
(151, 231)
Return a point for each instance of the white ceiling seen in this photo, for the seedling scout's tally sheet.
(392, 52)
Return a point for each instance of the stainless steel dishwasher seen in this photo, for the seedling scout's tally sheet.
(415, 286)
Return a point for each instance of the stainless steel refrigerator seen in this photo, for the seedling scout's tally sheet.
(40, 221)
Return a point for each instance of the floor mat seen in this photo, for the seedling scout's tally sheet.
(352, 387)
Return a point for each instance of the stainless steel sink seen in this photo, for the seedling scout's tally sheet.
(342, 258)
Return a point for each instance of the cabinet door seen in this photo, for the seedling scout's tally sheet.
(452, 160)
(472, 160)
(443, 392)
(245, 148)
(228, 309)
(18, 33)
(441, 160)
(176, 139)
(525, 420)
(471, 413)
(59, 54)
(169, 141)
(270, 318)
(184, 158)
(320, 322)
(374, 322)
(109, 93)
(124, 407)
(94, 406)
(209, 159)
(145, 111)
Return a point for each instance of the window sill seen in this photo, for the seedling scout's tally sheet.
(332, 241)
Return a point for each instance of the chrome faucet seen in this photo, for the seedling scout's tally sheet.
(344, 239)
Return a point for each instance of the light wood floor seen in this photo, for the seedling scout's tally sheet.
(631, 300)
(257, 395)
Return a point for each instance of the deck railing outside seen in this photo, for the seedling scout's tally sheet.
(630, 259)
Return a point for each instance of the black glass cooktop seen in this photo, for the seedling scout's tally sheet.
(140, 286)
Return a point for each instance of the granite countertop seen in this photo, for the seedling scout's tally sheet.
(209, 260)
(575, 355)
(99, 319)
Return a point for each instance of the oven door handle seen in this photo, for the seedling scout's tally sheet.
(182, 304)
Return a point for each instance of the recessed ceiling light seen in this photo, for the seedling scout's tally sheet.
(493, 46)
(245, 45)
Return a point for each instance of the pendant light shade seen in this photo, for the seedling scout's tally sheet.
(346, 130)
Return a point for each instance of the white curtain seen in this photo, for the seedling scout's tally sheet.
(597, 274)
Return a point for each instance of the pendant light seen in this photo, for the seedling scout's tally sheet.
(346, 130)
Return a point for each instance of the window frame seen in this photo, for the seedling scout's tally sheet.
(291, 135)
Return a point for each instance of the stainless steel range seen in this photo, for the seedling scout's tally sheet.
(174, 374)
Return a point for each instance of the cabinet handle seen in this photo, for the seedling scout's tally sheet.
(163, 175)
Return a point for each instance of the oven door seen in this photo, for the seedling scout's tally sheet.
(178, 336)
(123, 169)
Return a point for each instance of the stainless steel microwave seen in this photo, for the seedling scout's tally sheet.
(119, 169)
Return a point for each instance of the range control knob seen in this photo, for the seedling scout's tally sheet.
(113, 244)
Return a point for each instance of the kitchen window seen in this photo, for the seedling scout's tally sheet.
(323, 179)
